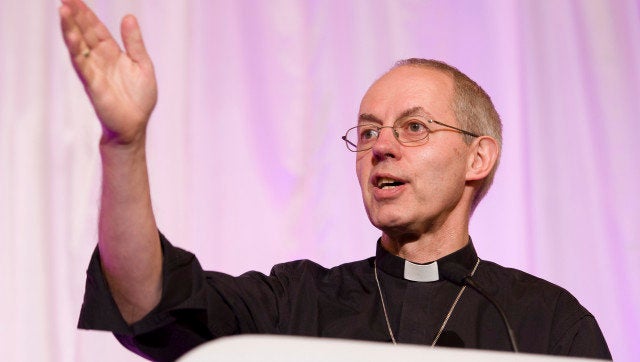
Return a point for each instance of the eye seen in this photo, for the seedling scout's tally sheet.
(416, 127)
(367, 133)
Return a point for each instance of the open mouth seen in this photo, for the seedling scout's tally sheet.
(387, 183)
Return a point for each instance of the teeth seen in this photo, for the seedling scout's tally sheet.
(385, 182)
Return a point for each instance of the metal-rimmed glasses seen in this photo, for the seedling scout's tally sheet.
(408, 131)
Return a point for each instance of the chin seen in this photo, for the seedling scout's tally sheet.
(390, 223)
(389, 215)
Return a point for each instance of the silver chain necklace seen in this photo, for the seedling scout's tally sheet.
(446, 318)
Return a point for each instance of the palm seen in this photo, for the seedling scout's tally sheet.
(123, 94)
(121, 85)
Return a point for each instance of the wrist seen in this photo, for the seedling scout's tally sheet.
(123, 141)
(113, 149)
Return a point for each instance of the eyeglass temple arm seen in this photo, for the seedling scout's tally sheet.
(452, 127)
(349, 142)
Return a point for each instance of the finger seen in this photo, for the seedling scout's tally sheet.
(69, 3)
(69, 14)
(93, 30)
(75, 42)
(132, 40)
(71, 33)
(79, 52)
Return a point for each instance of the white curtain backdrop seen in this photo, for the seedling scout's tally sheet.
(248, 169)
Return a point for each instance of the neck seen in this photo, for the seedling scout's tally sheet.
(425, 249)
(432, 240)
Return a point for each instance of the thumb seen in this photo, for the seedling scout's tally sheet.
(132, 39)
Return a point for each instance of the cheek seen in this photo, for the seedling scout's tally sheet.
(361, 169)
(436, 172)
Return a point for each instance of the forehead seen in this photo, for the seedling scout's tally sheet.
(408, 87)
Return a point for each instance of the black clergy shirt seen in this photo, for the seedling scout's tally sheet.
(304, 298)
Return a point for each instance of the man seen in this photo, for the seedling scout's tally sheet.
(427, 145)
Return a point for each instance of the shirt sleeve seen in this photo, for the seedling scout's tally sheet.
(195, 307)
(577, 331)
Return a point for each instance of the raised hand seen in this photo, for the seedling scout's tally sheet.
(122, 88)
(121, 84)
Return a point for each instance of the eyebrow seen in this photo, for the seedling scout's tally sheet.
(368, 118)
(413, 111)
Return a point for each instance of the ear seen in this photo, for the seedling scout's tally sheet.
(482, 157)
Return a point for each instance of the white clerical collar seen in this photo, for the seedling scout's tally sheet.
(402, 268)
(421, 272)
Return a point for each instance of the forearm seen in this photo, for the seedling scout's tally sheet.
(122, 88)
(130, 251)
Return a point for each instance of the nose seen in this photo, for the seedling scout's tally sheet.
(387, 145)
